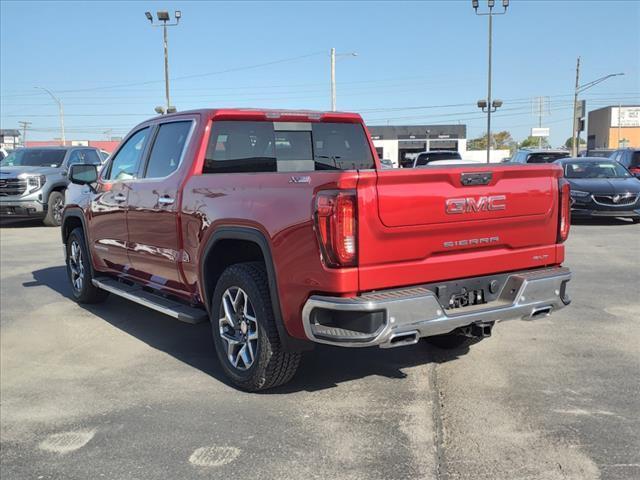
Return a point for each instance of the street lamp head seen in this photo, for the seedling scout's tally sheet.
(496, 103)
(475, 4)
(178, 14)
(482, 103)
(491, 3)
(159, 110)
(163, 16)
(149, 16)
(505, 3)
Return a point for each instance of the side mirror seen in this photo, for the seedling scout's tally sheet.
(83, 174)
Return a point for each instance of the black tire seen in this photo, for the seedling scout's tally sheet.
(449, 341)
(635, 220)
(78, 266)
(55, 204)
(269, 366)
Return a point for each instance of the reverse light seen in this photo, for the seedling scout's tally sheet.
(564, 208)
(336, 227)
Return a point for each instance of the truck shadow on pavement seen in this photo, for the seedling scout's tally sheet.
(323, 367)
(603, 221)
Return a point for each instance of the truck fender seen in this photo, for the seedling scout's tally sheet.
(253, 235)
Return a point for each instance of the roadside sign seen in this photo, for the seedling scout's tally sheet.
(582, 109)
(540, 132)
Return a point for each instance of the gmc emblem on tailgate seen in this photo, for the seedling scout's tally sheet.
(479, 204)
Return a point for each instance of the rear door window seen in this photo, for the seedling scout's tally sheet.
(545, 157)
(85, 155)
(239, 146)
(167, 149)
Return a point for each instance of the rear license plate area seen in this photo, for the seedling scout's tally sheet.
(466, 298)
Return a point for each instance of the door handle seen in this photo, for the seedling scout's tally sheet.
(120, 197)
(166, 200)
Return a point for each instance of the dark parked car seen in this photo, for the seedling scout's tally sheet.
(527, 155)
(601, 187)
(425, 158)
(629, 157)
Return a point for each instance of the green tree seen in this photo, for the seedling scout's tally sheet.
(534, 142)
(501, 140)
(569, 142)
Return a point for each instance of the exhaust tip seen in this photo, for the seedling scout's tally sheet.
(402, 339)
(540, 312)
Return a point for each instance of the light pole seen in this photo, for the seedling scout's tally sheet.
(489, 109)
(60, 112)
(333, 74)
(163, 21)
(579, 89)
(490, 14)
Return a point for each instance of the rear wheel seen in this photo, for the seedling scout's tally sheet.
(244, 330)
(79, 270)
(55, 205)
(635, 219)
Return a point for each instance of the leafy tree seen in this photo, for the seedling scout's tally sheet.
(534, 142)
(569, 142)
(501, 140)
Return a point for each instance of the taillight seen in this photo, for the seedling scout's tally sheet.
(337, 227)
(564, 218)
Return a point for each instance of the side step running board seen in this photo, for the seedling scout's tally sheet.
(135, 293)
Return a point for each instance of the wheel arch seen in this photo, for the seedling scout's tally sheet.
(243, 244)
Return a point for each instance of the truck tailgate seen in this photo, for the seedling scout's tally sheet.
(423, 225)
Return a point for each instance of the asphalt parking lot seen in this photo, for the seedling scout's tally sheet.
(117, 391)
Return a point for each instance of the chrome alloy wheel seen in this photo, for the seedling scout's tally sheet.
(76, 266)
(58, 207)
(239, 328)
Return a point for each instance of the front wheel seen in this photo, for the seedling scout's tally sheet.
(244, 330)
(55, 206)
(79, 270)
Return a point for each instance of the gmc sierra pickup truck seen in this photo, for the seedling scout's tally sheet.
(282, 229)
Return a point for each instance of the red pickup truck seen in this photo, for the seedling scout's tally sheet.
(282, 229)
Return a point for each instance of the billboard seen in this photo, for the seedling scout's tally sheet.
(627, 116)
(540, 132)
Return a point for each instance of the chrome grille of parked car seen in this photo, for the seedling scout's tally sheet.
(615, 200)
(12, 186)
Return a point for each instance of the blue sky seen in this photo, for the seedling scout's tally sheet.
(418, 62)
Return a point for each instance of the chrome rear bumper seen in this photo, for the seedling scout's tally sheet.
(415, 312)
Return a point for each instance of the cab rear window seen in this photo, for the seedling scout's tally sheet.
(240, 146)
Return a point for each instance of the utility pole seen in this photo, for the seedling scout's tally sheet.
(333, 56)
(574, 137)
(333, 79)
(60, 112)
(579, 89)
(163, 17)
(488, 102)
(619, 118)
(540, 108)
(24, 126)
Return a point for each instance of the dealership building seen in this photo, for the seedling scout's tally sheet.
(398, 142)
(614, 127)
